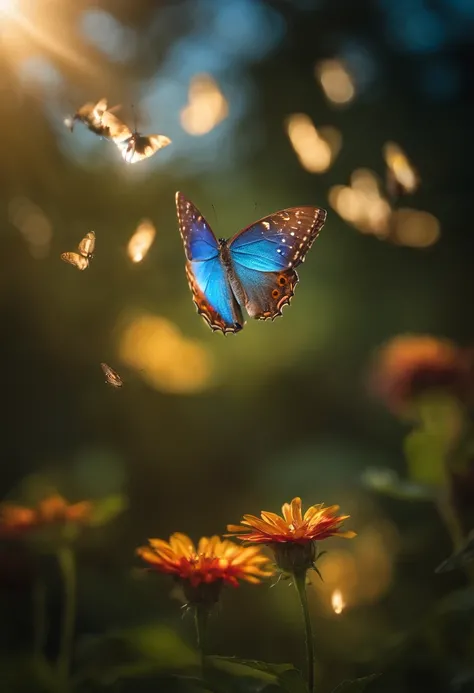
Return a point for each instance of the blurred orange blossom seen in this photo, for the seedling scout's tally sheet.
(16, 520)
(410, 366)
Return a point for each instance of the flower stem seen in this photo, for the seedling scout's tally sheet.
(300, 583)
(67, 564)
(39, 618)
(201, 617)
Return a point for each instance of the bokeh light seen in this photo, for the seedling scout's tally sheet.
(207, 106)
(162, 356)
(414, 228)
(335, 81)
(362, 573)
(400, 167)
(362, 204)
(337, 602)
(33, 224)
(141, 241)
(315, 150)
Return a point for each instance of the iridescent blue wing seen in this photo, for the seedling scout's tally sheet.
(207, 277)
(265, 254)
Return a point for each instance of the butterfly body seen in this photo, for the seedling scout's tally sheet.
(138, 147)
(254, 269)
(91, 115)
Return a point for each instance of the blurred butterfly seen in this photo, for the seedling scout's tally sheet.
(111, 377)
(255, 268)
(132, 145)
(84, 254)
(91, 116)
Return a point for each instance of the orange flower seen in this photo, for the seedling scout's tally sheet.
(409, 366)
(318, 523)
(293, 536)
(213, 563)
(16, 519)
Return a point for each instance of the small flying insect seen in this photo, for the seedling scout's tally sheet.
(111, 377)
(84, 254)
(132, 145)
(91, 115)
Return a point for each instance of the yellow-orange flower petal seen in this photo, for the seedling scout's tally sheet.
(214, 560)
(317, 523)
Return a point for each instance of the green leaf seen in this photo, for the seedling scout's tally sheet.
(357, 685)
(132, 653)
(107, 509)
(387, 482)
(249, 676)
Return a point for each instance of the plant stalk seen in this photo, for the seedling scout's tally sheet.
(39, 618)
(201, 618)
(300, 583)
(67, 564)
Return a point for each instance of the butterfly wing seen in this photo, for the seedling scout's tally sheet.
(140, 147)
(114, 128)
(112, 377)
(207, 277)
(265, 254)
(75, 259)
(87, 246)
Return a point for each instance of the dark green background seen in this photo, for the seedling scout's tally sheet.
(287, 412)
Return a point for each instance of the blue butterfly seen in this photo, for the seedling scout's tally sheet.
(254, 269)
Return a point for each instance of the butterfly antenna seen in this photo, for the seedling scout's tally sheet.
(215, 214)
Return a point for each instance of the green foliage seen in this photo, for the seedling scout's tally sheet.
(248, 676)
(425, 455)
(387, 482)
(460, 558)
(107, 509)
(133, 653)
(357, 685)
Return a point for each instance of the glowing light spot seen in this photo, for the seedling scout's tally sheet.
(361, 203)
(335, 81)
(141, 241)
(8, 8)
(399, 167)
(316, 150)
(415, 228)
(207, 106)
(337, 602)
(162, 356)
(33, 224)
